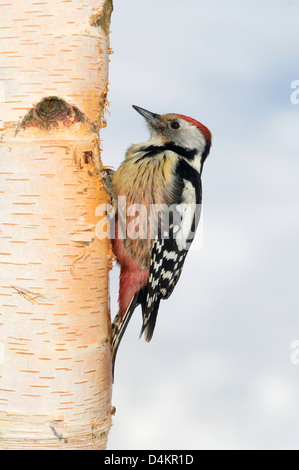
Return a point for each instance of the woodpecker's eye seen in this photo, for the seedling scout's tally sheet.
(175, 125)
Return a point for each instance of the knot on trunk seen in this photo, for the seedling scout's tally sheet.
(51, 112)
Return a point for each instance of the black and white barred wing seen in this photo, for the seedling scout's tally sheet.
(168, 257)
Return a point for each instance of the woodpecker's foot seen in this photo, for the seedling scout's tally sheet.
(108, 186)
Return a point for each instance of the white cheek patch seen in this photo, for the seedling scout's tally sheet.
(190, 137)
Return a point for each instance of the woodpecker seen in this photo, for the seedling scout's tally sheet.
(162, 173)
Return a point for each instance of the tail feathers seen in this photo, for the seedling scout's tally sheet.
(120, 323)
(119, 326)
(149, 321)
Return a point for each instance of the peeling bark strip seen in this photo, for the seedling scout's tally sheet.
(102, 16)
(55, 359)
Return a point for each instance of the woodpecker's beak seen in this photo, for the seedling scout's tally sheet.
(152, 118)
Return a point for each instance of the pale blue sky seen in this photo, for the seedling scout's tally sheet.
(217, 373)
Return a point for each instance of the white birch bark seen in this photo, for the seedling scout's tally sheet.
(55, 360)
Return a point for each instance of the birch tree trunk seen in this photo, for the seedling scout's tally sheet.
(55, 359)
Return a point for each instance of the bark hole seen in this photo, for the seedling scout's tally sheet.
(88, 157)
(51, 112)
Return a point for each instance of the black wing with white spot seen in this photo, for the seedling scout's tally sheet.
(169, 254)
(165, 270)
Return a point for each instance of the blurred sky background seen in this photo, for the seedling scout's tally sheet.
(218, 372)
